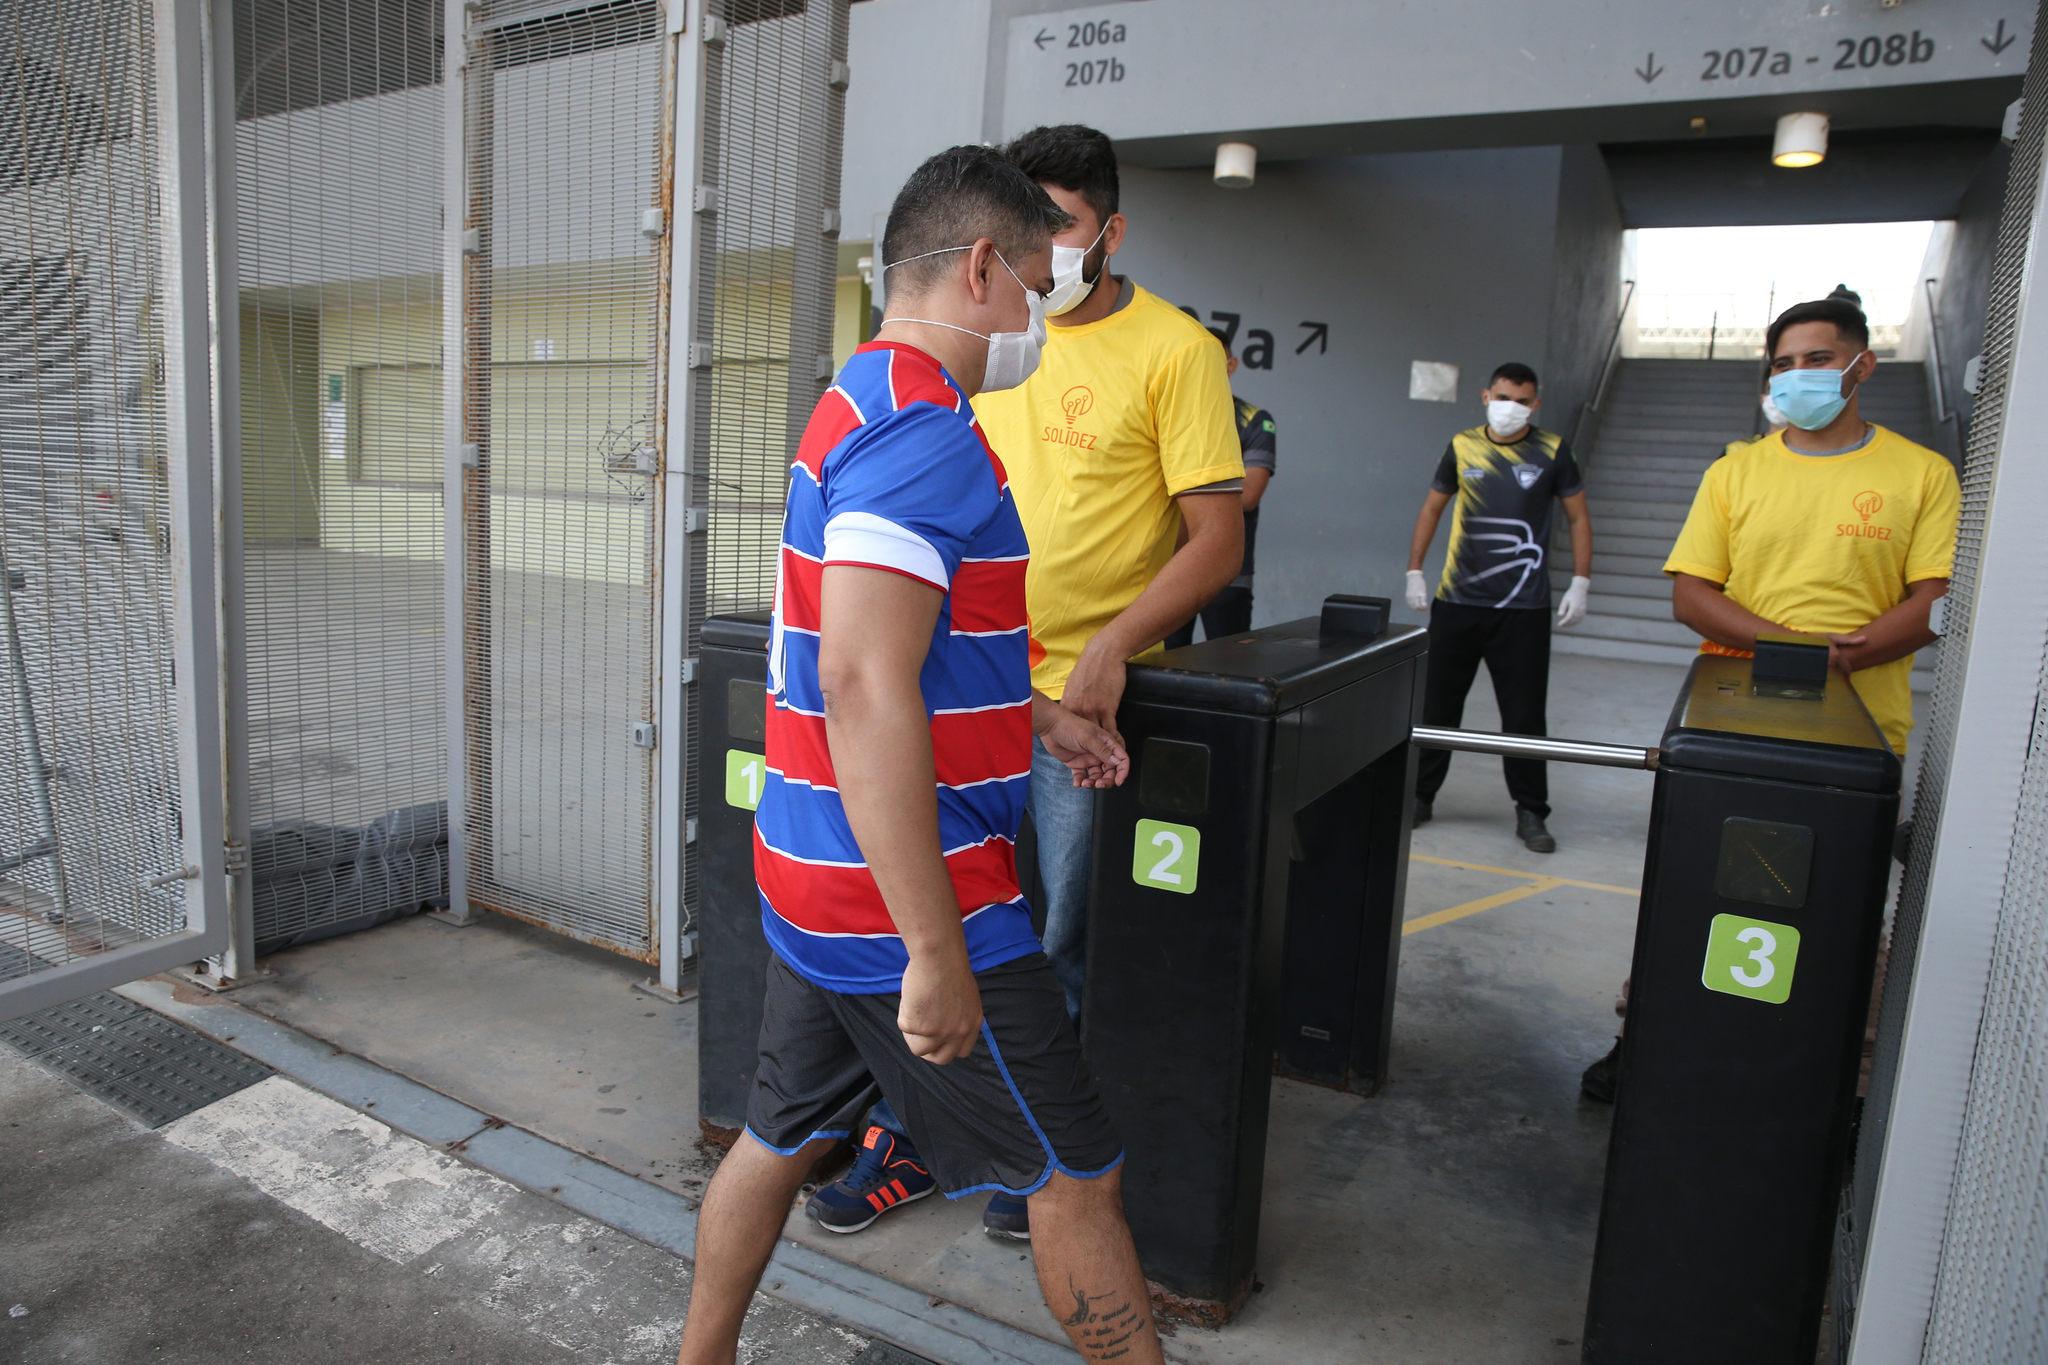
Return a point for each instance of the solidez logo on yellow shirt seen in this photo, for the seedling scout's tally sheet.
(1868, 504)
(1077, 403)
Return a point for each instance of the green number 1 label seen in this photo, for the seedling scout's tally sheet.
(1166, 857)
(1750, 957)
(744, 775)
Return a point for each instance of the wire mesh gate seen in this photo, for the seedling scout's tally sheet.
(563, 120)
(1943, 1246)
(111, 841)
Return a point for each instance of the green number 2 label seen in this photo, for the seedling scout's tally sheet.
(1751, 958)
(744, 775)
(1166, 857)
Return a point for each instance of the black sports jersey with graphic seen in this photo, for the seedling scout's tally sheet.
(1502, 496)
(1255, 437)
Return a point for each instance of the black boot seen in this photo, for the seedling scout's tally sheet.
(1529, 829)
(1597, 1083)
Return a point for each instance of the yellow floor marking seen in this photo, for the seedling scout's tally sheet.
(1631, 891)
(1480, 906)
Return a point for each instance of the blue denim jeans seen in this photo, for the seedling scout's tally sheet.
(1063, 816)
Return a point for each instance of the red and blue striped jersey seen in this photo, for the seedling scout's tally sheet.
(893, 473)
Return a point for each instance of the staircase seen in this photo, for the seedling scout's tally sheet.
(1666, 421)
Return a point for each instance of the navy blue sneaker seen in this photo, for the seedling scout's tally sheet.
(1007, 1218)
(885, 1175)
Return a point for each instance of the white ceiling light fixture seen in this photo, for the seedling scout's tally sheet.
(1237, 165)
(1802, 141)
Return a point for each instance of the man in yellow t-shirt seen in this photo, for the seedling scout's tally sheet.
(1123, 434)
(1833, 526)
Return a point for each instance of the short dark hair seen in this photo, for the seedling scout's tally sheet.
(1515, 372)
(1221, 339)
(1847, 318)
(1074, 157)
(955, 197)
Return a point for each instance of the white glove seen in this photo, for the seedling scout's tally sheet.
(1572, 609)
(1418, 591)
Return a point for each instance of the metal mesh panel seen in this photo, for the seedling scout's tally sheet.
(338, 173)
(774, 112)
(1989, 1306)
(90, 847)
(563, 145)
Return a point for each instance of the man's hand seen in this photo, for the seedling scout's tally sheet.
(1572, 609)
(1096, 687)
(941, 1011)
(1418, 591)
(1094, 755)
(1842, 651)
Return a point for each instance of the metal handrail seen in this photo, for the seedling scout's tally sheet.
(1598, 753)
(1943, 414)
(1613, 344)
(1591, 408)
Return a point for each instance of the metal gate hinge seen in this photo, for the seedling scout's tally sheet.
(713, 30)
(653, 222)
(471, 454)
(237, 858)
(690, 830)
(690, 669)
(693, 521)
(472, 241)
(839, 76)
(706, 199)
(644, 733)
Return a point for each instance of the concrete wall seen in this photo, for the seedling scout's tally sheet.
(1586, 290)
(1965, 279)
(1445, 256)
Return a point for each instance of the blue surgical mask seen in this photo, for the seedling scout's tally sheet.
(1810, 399)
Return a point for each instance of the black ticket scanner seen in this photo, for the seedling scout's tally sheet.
(1764, 888)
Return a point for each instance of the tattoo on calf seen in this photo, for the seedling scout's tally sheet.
(1102, 1330)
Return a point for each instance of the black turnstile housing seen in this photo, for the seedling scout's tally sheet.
(1764, 886)
(1287, 755)
(732, 671)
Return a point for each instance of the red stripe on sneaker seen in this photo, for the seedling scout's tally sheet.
(876, 1201)
(897, 1186)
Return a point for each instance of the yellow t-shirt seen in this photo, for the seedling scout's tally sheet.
(1123, 415)
(1826, 543)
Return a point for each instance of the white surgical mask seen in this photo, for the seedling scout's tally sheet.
(1505, 416)
(1012, 356)
(1772, 415)
(1068, 288)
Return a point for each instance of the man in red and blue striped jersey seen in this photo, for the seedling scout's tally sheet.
(900, 727)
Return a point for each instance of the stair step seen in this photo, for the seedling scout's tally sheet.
(1605, 585)
(1661, 512)
(1616, 544)
(1690, 466)
(1668, 433)
(1633, 651)
(1614, 561)
(1635, 629)
(1651, 412)
(1625, 480)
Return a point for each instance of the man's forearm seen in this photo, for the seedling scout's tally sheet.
(881, 746)
(1425, 532)
(1896, 634)
(1713, 614)
(1582, 546)
(1190, 581)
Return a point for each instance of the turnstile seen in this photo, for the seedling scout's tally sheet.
(1763, 893)
(1245, 916)
(732, 671)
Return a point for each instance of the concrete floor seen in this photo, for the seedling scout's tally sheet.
(1450, 1218)
(278, 1225)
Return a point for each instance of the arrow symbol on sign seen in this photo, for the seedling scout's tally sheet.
(1044, 37)
(1649, 70)
(2000, 40)
(1318, 336)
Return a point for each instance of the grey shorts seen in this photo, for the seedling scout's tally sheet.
(1017, 1108)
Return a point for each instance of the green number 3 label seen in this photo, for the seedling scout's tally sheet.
(1166, 857)
(1751, 958)
(744, 775)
